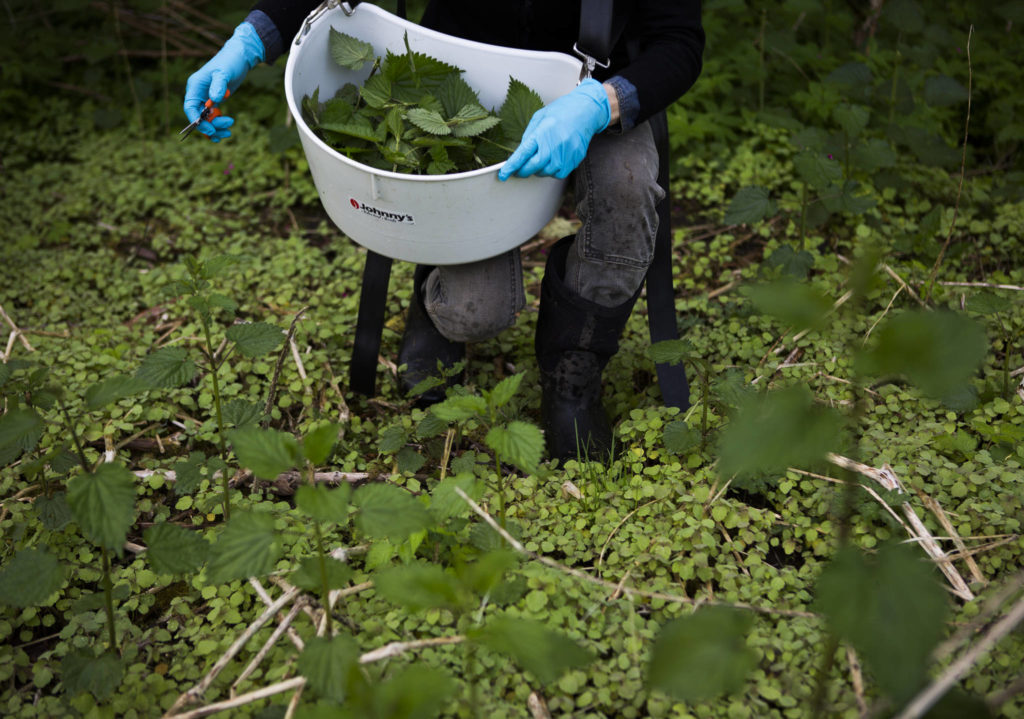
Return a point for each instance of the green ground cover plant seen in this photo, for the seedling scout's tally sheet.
(199, 519)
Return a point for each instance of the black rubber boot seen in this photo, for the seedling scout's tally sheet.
(575, 340)
(423, 346)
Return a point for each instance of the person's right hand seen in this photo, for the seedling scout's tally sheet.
(224, 71)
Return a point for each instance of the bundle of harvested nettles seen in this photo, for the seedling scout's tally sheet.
(415, 114)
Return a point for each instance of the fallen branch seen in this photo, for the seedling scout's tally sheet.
(199, 689)
(888, 479)
(16, 333)
(944, 682)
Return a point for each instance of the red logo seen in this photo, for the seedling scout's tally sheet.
(354, 203)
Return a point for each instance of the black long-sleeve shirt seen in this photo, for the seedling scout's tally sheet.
(657, 44)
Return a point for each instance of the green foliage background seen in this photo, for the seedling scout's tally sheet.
(817, 143)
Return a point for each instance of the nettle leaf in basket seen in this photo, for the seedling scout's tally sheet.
(348, 51)
(358, 127)
(337, 110)
(428, 121)
(520, 104)
(377, 91)
(472, 120)
(454, 93)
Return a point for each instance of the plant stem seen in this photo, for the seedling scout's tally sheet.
(108, 598)
(760, 62)
(70, 427)
(803, 215)
(214, 368)
(705, 393)
(325, 590)
(895, 79)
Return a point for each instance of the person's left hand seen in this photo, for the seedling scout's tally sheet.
(558, 135)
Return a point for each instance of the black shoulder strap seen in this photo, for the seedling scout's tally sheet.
(373, 301)
(595, 41)
(661, 299)
(595, 29)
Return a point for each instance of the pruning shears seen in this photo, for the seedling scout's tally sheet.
(210, 111)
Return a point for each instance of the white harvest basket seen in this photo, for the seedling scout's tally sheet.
(428, 219)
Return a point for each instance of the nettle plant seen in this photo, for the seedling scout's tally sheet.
(861, 595)
(415, 114)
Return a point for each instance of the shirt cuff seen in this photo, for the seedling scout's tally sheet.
(629, 101)
(269, 34)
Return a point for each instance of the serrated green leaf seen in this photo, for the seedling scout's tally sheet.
(308, 576)
(395, 123)
(459, 408)
(409, 460)
(358, 127)
(103, 504)
(415, 692)
(988, 303)
(749, 205)
(476, 127)
(519, 107)
(543, 652)
(246, 548)
(166, 367)
(348, 51)
(324, 504)
(53, 512)
(328, 663)
(82, 671)
(214, 267)
(506, 389)
(338, 109)
(846, 201)
(795, 264)
(680, 438)
(864, 599)
(671, 352)
(239, 413)
(520, 443)
(938, 351)
(111, 390)
(5, 373)
(418, 586)
(943, 91)
(777, 430)
(20, 430)
(428, 121)
(430, 426)
(267, 452)
(188, 473)
(454, 93)
(703, 655)
(389, 511)
(392, 439)
(817, 169)
(445, 503)
(29, 578)
(852, 118)
(873, 154)
(798, 305)
(255, 339)
(171, 549)
(319, 441)
(376, 92)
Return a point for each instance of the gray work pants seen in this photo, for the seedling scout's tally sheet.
(616, 190)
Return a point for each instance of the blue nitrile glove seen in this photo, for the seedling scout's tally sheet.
(557, 137)
(224, 71)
